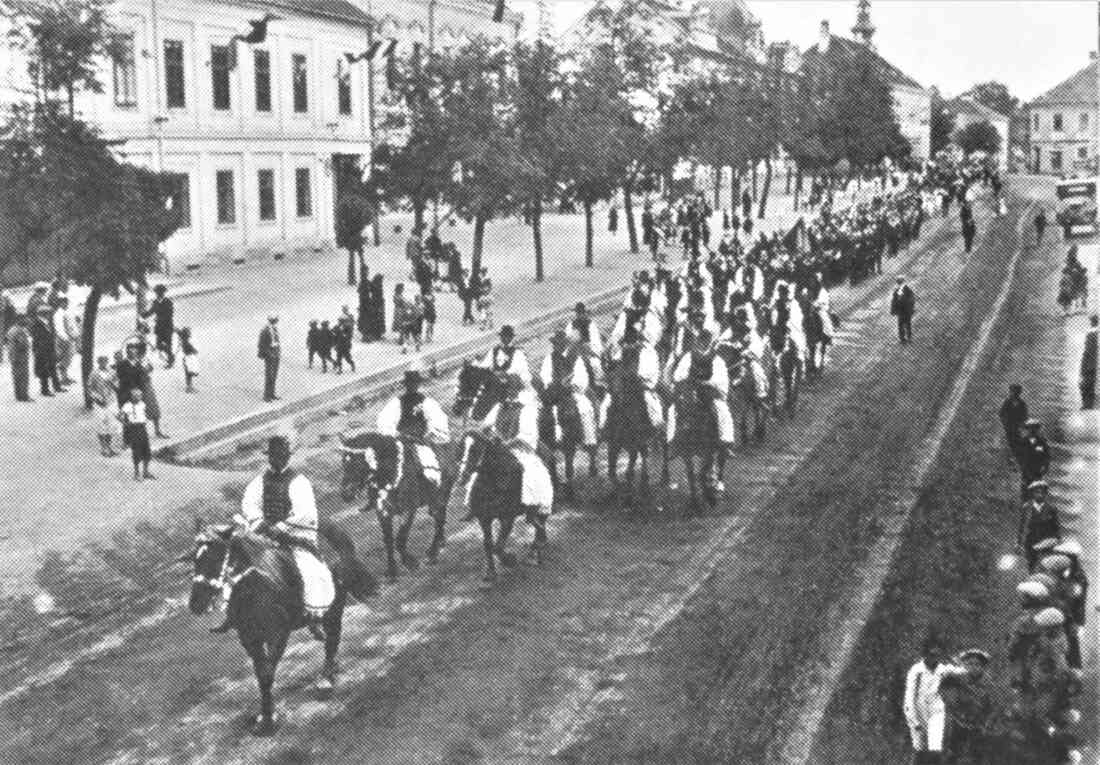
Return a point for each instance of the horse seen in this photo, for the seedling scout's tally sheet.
(818, 326)
(265, 604)
(561, 429)
(632, 425)
(751, 394)
(479, 390)
(388, 469)
(696, 437)
(492, 479)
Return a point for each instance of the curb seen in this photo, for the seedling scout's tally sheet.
(317, 406)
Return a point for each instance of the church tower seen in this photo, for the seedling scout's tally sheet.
(864, 30)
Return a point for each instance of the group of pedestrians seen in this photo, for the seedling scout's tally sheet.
(330, 342)
(43, 339)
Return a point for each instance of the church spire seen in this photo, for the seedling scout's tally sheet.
(864, 30)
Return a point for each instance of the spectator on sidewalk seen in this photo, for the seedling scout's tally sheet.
(326, 341)
(101, 391)
(485, 300)
(923, 705)
(1077, 600)
(970, 706)
(969, 231)
(1088, 364)
(342, 340)
(127, 375)
(313, 334)
(36, 300)
(428, 332)
(903, 306)
(269, 351)
(45, 352)
(467, 293)
(7, 320)
(1013, 415)
(613, 219)
(1038, 522)
(376, 327)
(1034, 456)
(149, 393)
(363, 314)
(136, 434)
(67, 334)
(190, 359)
(163, 311)
(19, 346)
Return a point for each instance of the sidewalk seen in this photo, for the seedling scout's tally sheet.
(67, 494)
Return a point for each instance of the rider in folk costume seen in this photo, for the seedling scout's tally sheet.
(564, 373)
(641, 365)
(786, 315)
(704, 367)
(507, 358)
(515, 421)
(279, 503)
(419, 420)
(639, 310)
(584, 333)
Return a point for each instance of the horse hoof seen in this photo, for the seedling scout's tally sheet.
(325, 685)
(490, 577)
(262, 727)
(411, 563)
(507, 559)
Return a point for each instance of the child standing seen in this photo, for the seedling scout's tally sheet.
(485, 300)
(312, 337)
(190, 359)
(137, 434)
(324, 345)
(429, 317)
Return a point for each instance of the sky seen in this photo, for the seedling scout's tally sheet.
(1030, 45)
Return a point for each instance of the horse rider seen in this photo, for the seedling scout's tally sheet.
(638, 306)
(419, 420)
(279, 503)
(584, 333)
(507, 358)
(515, 421)
(563, 371)
(702, 366)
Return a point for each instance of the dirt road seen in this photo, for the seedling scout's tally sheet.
(652, 638)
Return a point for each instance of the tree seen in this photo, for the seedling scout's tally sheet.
(996, 96)
(943, 123)
(858, 121)
(979, 136)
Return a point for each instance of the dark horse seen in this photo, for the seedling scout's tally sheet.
(479, 389)
(388, 469)
(491, 477)
(696, 437)
(561, 429)
(631, 426)
(265, 605)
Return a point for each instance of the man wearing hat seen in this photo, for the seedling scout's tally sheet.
(19, 345)
(704, 367)
(969, 703)
(45, 352)
(37, 299)
(1013, 415)
(1038, 522)
(420, 420)
(923, 705)
(507, 358)
(1033, 456)
(1088, 364)
(268, 350)
(564, 375)
(515, 421)
(280, 503)
(902, 306)
(163, 311)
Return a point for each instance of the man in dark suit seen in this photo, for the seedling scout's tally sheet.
(269, 351)
(1088, 364)
(45, 351)
(163, 311)
(903, 305)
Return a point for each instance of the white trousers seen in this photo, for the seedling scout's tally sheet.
(930, 738)
(429, 463)
(318, 591)
(538, 487)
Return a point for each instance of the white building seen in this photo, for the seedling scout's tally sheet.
(255, 133)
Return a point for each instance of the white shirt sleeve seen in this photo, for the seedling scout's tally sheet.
(389, 417)
(720, 378)
(546, 371)
(252, 502)
(681, 368)
(439, 427)
(649, 367)
(594, 339)
(529, 426)
(580, 375)
(521, 367)
(302, 520)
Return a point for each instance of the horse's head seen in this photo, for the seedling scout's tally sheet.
(210, 567)
(359, 462)
(471, 453)
(478, 390)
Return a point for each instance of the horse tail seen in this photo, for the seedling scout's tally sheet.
(351, 571)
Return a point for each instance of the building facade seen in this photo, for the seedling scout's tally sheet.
(968, 112)
(1063, 126)
(258, 135)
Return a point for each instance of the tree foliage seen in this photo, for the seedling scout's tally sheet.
(943, 123)
(858, 122)
(996, 96)
(979, 136)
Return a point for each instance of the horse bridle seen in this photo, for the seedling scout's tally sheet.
(224, 581)
(371, 458)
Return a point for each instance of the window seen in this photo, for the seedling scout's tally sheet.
(227, 200)
(1085, 121)
(300, 81)
(1083, 153)
(1057, 121)
(265, 182)
(343, 85)
(174, 89)
(219, 76)
(1056, 160)
(303, 192)
(180, 196)
(261, 65)
(125, 72)
(1038, 167)
(1035, 121)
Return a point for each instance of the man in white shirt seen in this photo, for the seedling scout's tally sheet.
(564, 371)
(280, 503)
(420, 419)
(66, 333)
(923, 706)
(508, 359)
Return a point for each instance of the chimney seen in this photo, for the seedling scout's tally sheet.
(1092, 55)
(826, 37)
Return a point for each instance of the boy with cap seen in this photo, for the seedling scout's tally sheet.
(1013, 415)
(969, 702)
(101, 392)
(1038, 522)
(1033, 456)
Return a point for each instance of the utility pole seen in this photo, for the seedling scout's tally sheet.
(376, 225)
(1096, 114)
(544, 31)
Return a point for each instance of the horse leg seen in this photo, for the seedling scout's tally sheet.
(408, 560)
(539, 522)
(386, 522)
(689, 468)
(487, 541)
(437, 508)
(613, 470)
(334, 625)
(265, 659)
(721, 469)
(593, 467)
(567, 490)
(506, 558)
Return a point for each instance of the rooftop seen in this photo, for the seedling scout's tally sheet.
(843, 52)
(966, 105)
(1078, 89)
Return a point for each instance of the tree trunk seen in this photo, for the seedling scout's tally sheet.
(767, 187)
(735, 191)
(536, 233)
(352, 260)
(479, 244)
(376, 230)
(419, 206)
(87, 341)
(717, 187)
(755, 168)
(589, 258)
(798, 179)
(628, 209)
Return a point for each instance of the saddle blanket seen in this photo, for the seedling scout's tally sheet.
(538, 487)
(587, 417)
(318, 590)
(722, 415)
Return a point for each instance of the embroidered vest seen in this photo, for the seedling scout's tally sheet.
(412, 422)
(702, 368)
(276, 495)
(584, 329)
(502, 358)
(561, 367)
(507, 424)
